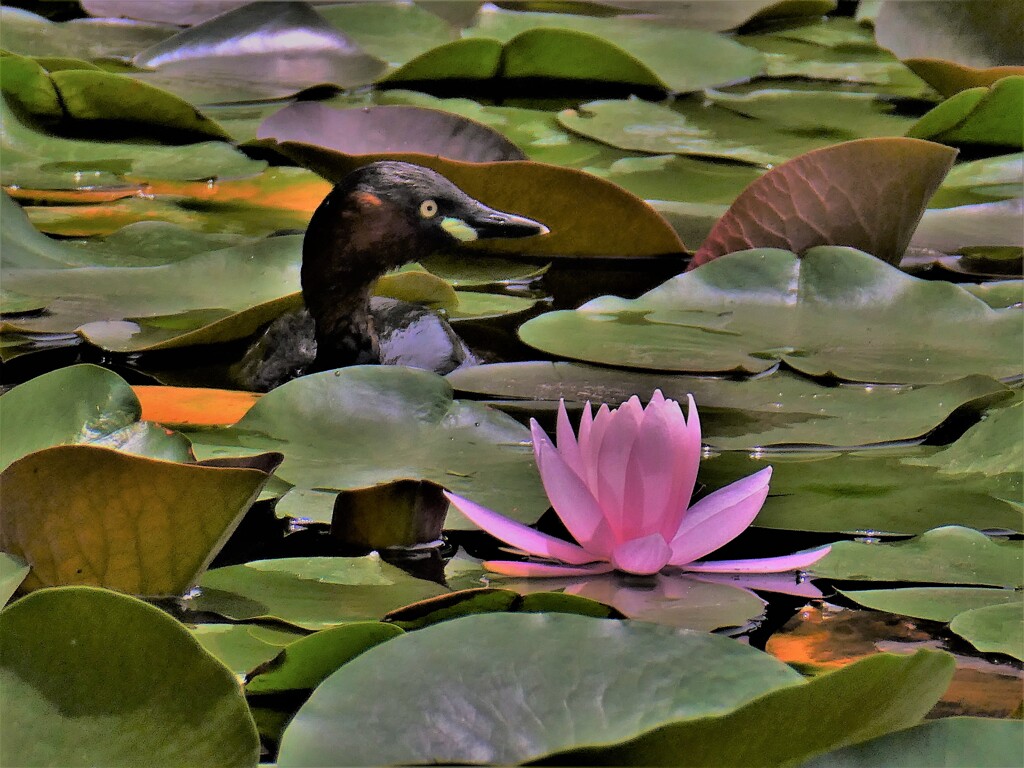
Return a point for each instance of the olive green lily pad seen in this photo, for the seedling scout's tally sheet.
(933, 603)
(999, 294)
(982, 224)
(91, 677)
(79, 514)
(868, 698)
(981, 181)
(949, 555)
(949, 742)
(28, 34)
(304, 664)
(393, 32)
(990, 116)
(256, 52)
(991, 447)
(239, 648)
(780, 409)
(851, 316)
(360, 426)
(554, 681)
(383, 129)
(841, 195)
(871, 493)
(311, 593)
(13, 571)
(993, 629)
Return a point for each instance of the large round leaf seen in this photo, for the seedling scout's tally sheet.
(313, 592)
(365, 425)
(91, 677)
(85, 515)
(836, 311)
(507, 688)
(993, 629)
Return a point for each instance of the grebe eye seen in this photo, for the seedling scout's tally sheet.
(428, 209)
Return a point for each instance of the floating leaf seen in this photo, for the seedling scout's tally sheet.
(780, 409)
(836, 311)
(999, 294)
(613, 223)
(949, 742)
(933, 603)
(193, 406)
(867, 194)
(993, 629)
(239, 648)
(31, 35)
(361, 426)
(992, 447)
(990, 116)
(91, 677)
(950, 44)
(311, 593)
(951, 229)
(717, 16)
(388, 129)
(393, 32)
(13, 571)
(259, 51)
(184, 13)
(546, 669)
(949, 555)
(85, 515)
(868, 698)
(304, 664)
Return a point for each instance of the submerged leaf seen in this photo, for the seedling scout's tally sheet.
(867, 194)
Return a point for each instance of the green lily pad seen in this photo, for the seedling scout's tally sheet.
(79, 514)
(981, 224)
(32, 154)
(115, 680)
(949, 555)
(981, 181)
(868, 698)
(311, 593)
(933, 603)
(393, 32)
(365, 425)
(28, 34)
(990, 116)
(999, 294)
(991, 447)
(305, 663)
(780, 409)
(993, 629)
(254, 53)
(13, 571)
(520, 674)
(949, 742)
(840, 195)
(851, 316)
(871, 493)
(238, 648)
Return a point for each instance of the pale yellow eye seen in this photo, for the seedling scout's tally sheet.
(428, 209)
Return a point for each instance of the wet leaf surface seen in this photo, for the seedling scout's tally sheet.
(242, 647)
(990, 116)
(993, 629)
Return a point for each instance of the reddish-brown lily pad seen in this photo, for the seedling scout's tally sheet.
(868, 194)
(79, 514)
(376, 130)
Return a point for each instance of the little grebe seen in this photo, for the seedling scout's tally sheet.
(376, 219)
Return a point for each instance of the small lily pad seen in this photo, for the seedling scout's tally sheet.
(933, 603)
(797, 205)
(238, 648)
(993, 629)
(836, 311)
(91, 677)
(79, 514)
(991, 447)
(949, 555)
(311, 593)
(990, 116)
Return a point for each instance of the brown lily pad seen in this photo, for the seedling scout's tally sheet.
(587, 216)
(382, 129)
(80, 514)
(868, 194)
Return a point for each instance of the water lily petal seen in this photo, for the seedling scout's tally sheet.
(719, 517)
(572, 500)
(528, 569)
(642, 556)
(602, 420)
(686, 434)
(650, 475)
(519, 535)
(613, 462)
(567, 445)
(761, 564)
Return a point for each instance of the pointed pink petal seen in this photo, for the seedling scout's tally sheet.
(519, 535)
(720, 517)
(642, 556)
(567, 445)
(583, 441)
(613, 463)
(686, 453)
(602, 420)
(572, 500)
(650, 476)
(761, 564)
(543, 570)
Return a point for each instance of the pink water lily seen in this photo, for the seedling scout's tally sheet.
(622, 488)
